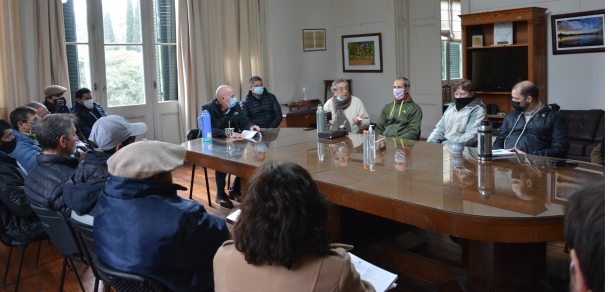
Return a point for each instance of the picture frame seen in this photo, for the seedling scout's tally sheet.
(362, 53)
(314, 39)
(581, 32)
(477, 40)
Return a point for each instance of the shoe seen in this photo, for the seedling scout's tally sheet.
(223, 201)
(235, 195)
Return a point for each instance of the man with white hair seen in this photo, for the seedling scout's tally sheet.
(144, 227)
(225, 113)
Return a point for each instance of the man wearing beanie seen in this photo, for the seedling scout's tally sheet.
(144, 227)
(109, 134)
(54, 99)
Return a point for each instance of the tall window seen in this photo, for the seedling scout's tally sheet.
(125, 48)
(451, 39)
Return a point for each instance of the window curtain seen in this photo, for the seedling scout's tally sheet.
(218, 43)
(12, 75)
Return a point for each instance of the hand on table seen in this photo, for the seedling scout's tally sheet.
(237, 136)
(255, 128)
(515, 149)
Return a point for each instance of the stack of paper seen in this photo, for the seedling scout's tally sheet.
(502, 152)
(381, 279)
(254, 136)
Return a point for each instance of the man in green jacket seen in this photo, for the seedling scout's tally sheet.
(402, 117)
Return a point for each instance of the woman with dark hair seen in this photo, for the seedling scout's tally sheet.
(281, 242)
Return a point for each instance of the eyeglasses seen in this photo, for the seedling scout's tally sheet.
(346, 89)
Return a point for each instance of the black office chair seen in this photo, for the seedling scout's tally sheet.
(10, 243)
(64, 239)
(192, 135)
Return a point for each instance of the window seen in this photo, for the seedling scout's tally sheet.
(451, 40)
(131, 57)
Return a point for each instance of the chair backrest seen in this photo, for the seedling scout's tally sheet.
(193, 134)
(60, 232)
(84, 235)
(127, 282)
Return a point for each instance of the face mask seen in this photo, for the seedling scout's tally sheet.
(233, 102)
(8, 147)
(400, 156)
(88, 103)
(258, 90)
(261, 147)
(339, 98)
(399, 93)
(518, 107)
(59, 102)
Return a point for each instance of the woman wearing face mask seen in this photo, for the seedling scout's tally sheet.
(460, 121)
(402, 117)
(347, 110)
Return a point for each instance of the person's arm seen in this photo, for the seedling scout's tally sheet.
(366, 119)
(243, 121)
(560, 144)
(596, 155)
(469, 137)
(327, 107)
(12, 193)
(83, 126)
(244, 107)
(217, 132)
(277, 112)
(502, 135)
(100, 109)
(380, 127)
(414, 127)
(438, 133)
(350, 278)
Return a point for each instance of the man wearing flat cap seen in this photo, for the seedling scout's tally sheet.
(109, 134)
(54, 99)
(144, 227)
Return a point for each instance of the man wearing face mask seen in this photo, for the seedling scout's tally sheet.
(225, 113)
(532, 127)
(55, 101)
(23, 119)
(87, 111)
(347, 110)
(261, 106)
(402, 117)
(20, 222)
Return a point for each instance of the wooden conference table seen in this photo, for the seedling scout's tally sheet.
(505, 210)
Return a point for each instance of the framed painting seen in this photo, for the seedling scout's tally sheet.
(314, 39)
(362, 53)
(581, 32)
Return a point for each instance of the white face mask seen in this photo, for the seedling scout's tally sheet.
(399, 93)
(88, 103)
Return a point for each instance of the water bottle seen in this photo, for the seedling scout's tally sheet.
(320, 122)
(371, 138)
(365, 149)
(205, 126)
(304, 95)
(484, 139)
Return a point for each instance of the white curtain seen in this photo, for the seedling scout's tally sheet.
(12, 75)
(218, 43)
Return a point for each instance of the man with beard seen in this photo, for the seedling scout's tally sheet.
(532, 127)
(347, 110)
(20, 222)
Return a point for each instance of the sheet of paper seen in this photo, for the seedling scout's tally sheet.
(502, 152)
(233, 216)
(381, 279)
(249, 134)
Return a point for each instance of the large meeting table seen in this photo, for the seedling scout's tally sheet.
(504, 210)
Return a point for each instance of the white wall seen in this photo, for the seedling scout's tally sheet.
(574, 81)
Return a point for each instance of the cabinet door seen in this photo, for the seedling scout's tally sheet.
(300, 121)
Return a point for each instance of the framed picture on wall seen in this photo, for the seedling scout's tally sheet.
(362, 53)
(581, 32)
(314, 39)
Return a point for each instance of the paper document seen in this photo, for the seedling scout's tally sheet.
(381, 279)
(233, 216)
(502, 152)
(252, 135)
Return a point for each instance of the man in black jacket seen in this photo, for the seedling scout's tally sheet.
(44, 184)
(261, 106)
(20, 222)
(532, 127)
(87, 110)
(110, 134)
(225, 114)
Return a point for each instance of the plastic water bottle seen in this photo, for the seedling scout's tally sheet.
(205, 126)
(484, 141)
(320, 122)
(304, 95)
(365, 149)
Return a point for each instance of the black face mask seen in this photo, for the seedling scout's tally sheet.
(517, 106)
(8, 147)
(462, 102)
(60, 102)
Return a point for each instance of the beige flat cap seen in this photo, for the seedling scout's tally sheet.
(54, 90)
(145, 159)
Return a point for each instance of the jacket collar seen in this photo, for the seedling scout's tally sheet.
(95, 157)
(69, 161)
(7, 158)
(129, 188)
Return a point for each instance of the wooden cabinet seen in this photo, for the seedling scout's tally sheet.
(525, 58)
(301, 119)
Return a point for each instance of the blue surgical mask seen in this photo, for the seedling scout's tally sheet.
(258, 90)
(339, 98)
(233, 102)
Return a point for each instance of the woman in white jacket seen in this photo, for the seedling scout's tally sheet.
(460, 121)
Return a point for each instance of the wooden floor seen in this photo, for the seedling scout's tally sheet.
(47, 275)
